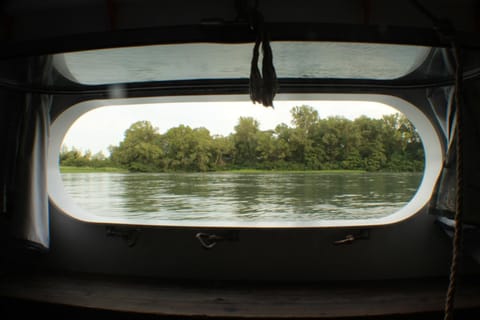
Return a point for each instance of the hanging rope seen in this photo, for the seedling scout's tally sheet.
(458, 234)
(263, 86)
(255, 85)
(446, 30)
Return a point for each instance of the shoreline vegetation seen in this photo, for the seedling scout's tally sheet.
(71, 169)
(388, 144)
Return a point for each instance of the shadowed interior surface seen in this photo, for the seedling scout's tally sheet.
(55, 264)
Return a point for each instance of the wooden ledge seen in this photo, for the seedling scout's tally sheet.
(328, 300)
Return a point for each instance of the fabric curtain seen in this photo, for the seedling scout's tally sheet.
(31, 218)
(444, 200)
(442, 104)
(24, 200)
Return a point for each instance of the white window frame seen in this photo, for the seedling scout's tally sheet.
(430, 139)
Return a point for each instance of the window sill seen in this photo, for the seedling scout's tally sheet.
(246, 300)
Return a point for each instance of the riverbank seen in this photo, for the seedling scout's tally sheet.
(70, 169)
(293, 171)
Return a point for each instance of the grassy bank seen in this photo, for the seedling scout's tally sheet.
(66, 169)
(293, 171)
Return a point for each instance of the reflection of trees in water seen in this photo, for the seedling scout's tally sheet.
(390, 186)
(187, 184)
(248, 192)
(251, 196)
(141, 192)
(168, 193)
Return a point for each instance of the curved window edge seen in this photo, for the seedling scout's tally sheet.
(430, 140)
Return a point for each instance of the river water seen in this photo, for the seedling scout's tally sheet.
(241, 197)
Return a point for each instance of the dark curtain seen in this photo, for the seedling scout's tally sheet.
(442, 103)
(443, 201)
(24, 201)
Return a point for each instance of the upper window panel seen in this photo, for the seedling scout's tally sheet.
(214, 61)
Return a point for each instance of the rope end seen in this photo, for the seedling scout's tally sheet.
(263, 86)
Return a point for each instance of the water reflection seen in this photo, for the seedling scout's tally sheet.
(242, 197)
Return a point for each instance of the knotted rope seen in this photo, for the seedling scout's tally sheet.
(446, 30)
(458, 234)
(263, 86)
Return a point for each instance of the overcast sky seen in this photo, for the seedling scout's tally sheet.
(105, 126)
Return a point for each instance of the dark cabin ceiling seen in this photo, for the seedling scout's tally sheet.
(30, 20)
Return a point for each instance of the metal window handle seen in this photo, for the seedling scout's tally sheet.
(207, 240)
(363, 234)
(128, 234)
(349, 238)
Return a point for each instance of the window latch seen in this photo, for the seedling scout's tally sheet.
(351, 237)
(209, 240)
(129, 235)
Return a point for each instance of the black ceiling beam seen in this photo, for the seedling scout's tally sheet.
(231, 33)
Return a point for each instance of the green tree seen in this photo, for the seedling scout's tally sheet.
(140, 149)
(266, 149)
(305, 121)
(402, 144)
(74, 157)
(371, 148)
(177, 147)
(245, 139)
(222, 150)
(200, 150)
(390, 143)
(188, 149)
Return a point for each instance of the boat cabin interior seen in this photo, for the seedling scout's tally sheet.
(63, 59)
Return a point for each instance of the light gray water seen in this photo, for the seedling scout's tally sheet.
(237, 197)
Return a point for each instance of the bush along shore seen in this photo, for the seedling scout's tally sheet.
(390, 143)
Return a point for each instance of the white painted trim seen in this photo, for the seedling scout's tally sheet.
(430, 139)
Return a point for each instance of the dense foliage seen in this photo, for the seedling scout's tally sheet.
(76, 158)
(310, 143)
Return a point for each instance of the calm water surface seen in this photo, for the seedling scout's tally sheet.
(237, 197)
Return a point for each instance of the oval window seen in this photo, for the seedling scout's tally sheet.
(324, 161)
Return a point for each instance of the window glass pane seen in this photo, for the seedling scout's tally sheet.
(238, 164)
(214, 61)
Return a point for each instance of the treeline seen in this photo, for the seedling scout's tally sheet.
(310, 143)
(76, 158)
